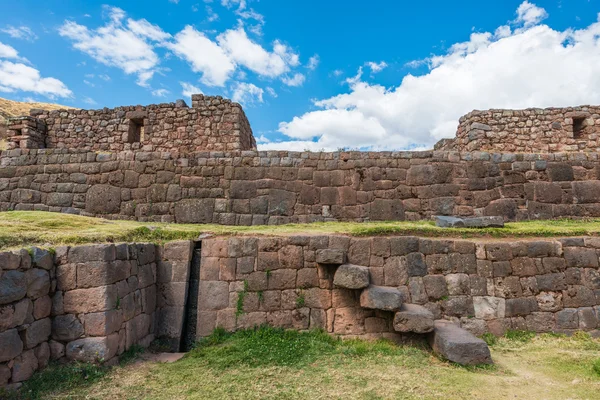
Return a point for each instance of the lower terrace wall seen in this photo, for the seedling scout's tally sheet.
(542, 286)
(93, 302)
(256, 188)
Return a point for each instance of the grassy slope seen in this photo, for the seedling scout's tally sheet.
(273, 364)
(20, 228)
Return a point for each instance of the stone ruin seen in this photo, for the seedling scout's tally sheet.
(172, 163)
(534, 130)
(211, 124)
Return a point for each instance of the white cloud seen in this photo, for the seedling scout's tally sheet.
(251, 55)
(247, 94)
(377, 66)
(533, 66)
(7, 51)
(204, 56)
(89, 100)
(20, 32)
(189, 89)
(114, 44)
(174, 1)
(20, 77)
(104, 77)
(160, 92)
(271, 91)
(313, 62)
(212, 16)
(91, 84)
(296, 80)
(529, 14)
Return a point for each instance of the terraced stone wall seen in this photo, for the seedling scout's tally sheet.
(484, 286)
(257, 188)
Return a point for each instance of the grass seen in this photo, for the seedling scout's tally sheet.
(270, 363)
(26, 228)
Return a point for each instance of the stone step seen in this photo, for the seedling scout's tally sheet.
(413, 318)
(350, 276)
(331, 256)
(381, 298)
(458, 345)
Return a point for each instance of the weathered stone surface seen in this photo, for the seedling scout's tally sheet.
(36, 333)
(489, 307)
(458, 345)
(381, 298)
(38, 283)
(10, 345)
(94, 252)
(331, 256)
(471, 222)
(42, 258)
(66, 328)
(103, 199)
(194, 211)
(213, 295)
(13, 286)
(351, 276)
(24, 366)
(93, 349)
(97, 299)
(413, 318)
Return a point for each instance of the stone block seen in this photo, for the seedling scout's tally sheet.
(97, 299)
(13, 286)
(588, 319)
(102, 323)
(521, 306)
(458, 345)
(42, 258)
(94, 252)
(36, 333)
(66, 328)
(551, 282)
(489, 308)
(351, 276)
(282, 279)
(213, 295)
(24, 366)
(330, 256)
(435, 286)
(57, 350)
(93, 349)
(11, 345)
(381, 298)
(103, 199)
(580, 257)
(38, 283)
(458, 284)
(413, 318)
(540, 322)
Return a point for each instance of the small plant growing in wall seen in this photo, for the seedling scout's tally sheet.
(118, 303)
(260, 295)
(239, 310)
(300, 300)
(268, 273)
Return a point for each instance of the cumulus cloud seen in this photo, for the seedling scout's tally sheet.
(16, 76)
(530, 66)
(313, 62)
(204, 56)
(247, 94)
(20, 32)
(128, 46)
(377, 66)
(160, 92)
(188, 89)
(296, 80)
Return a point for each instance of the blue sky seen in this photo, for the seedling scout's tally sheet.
(311, 74)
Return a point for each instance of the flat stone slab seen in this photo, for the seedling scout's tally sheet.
(458, 345)
(381, 298)
(470, 222)
(331, 256)
(413, 318)
(351, 276)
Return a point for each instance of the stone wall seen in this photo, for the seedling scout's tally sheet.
(211, 124)
(484, 286)
(533, 130)
(87, 303)
(254, 188)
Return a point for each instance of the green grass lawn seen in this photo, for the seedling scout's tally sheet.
(22, 228)
(270, 363)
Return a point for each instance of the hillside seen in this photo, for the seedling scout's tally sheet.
(10, 108)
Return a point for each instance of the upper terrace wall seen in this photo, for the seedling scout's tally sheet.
(244, 188)
(211, 124)
(532, 130)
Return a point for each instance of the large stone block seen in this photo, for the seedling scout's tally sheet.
(66, 328)
(194, 211)
(38, 283)
(103, 199)
(458, 345)
(36, 333)
(213, 295)
(93, 349)
(330, 256)
(489, 308)
(42, 258)
(351, 276)
(102, 323)
(94, 252)
(24, 366)
(13, 286)
(11, 345)
(586, 191)
(381, 298)
(413, 318)
(97, 299)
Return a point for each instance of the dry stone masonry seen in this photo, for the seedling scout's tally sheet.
(533, 130)
(258, 188)
(211, 124)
